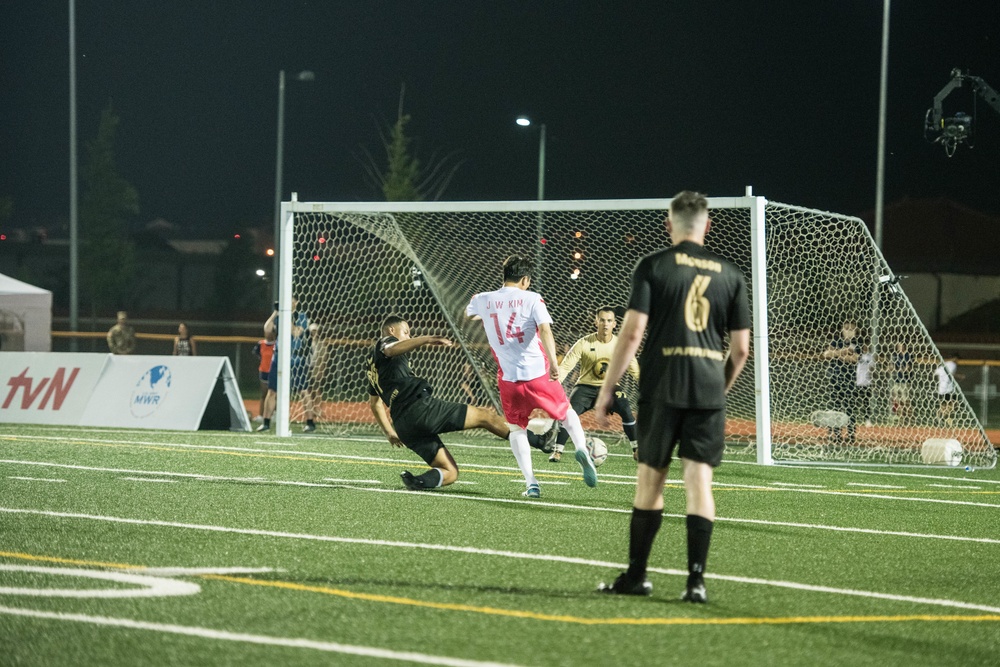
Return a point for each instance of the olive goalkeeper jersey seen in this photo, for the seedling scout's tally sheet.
(594, 357)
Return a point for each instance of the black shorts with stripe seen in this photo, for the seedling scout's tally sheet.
(419, 423)
(698, 434)
(584, 397)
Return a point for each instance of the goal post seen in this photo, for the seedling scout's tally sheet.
(353, 264)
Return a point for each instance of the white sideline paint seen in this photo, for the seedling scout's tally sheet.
(208, 633)
(149, 479)
(539, 503)
(801, 486)
(37, 479)
(352, 481)
(507, 554)
(953, 486)
(150, 586)
(875, 486)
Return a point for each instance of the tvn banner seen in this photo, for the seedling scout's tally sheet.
(156, 392)
(47, 387)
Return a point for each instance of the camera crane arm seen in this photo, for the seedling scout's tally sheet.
(978, 86)
(954, 130)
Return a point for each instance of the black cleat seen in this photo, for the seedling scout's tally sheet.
(625, 586)
(410, 481)
(695, 594)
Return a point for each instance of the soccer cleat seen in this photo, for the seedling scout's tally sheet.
(410, 481)
(695, 594)
(309, 428)
(263, 427)
(625, 586)
(589, 471)
(555, 456)
(533, 491)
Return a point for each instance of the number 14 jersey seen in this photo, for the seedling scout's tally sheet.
(511, 317)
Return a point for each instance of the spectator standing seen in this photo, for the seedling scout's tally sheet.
(184, 345)
(121, 337)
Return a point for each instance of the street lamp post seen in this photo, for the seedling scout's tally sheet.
(524, 121)
(304, 75)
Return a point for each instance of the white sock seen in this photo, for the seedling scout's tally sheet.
(522, 452)
(571, 422)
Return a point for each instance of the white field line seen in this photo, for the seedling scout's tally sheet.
(521, 481)
(222, 635)
(352, 481)
(36, 479)
(799, 486)
(149, 586)
(875, 486)
(149, 479)
(503, 554)
(892, 473)
(532, 503)
(955, 486)
(300, 452)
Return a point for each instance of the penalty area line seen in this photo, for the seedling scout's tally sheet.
(246, 638)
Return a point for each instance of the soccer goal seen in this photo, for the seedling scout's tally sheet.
(352, 264)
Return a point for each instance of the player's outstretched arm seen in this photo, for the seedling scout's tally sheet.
(382, 419)
(629, 339)
(571, 359)
(410, 344)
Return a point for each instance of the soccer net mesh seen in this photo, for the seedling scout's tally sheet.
(352, 266)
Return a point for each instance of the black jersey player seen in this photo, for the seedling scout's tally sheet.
(688, 299)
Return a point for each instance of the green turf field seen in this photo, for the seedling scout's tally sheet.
(158, 548)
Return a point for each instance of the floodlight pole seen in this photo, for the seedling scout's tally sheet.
(304, 75)
(882, 103)
(74, 215)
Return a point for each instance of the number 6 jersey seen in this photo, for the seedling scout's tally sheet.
(693, 298)
(511, 317)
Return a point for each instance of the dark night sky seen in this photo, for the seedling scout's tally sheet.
(638, 102)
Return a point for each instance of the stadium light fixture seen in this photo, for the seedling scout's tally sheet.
(304, 75)
(524, 121)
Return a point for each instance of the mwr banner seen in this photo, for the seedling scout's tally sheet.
(182, 393)
(47, 387)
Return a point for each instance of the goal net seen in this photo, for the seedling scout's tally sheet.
(350, 265)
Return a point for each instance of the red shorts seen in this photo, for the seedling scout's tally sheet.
(520, 399)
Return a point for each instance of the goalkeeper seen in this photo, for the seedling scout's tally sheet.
(593, 353)
(418, 418)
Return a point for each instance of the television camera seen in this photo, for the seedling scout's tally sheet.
(951, 131)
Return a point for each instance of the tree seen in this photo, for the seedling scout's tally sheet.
(404, 178)
(107, 262)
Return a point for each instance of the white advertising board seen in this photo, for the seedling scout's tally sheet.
(47, 387)
(161, 392)
(100, 389)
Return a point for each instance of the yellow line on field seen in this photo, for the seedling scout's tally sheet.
(68, 561)
(513, 613)
(562, 618)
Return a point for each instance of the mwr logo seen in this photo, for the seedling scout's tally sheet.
(54, 388)
(150, 391)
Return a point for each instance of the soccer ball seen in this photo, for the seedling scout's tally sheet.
(598, 450)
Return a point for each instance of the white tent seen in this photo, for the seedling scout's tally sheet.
(25, 316)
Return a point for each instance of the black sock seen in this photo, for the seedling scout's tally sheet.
(642, 531)
(535, 440)
(699, 530)
(432, 478)
(267, 422)
(310, 422)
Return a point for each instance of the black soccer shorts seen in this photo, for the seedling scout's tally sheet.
(699, 435)
(419, 423)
